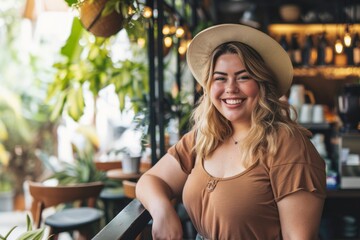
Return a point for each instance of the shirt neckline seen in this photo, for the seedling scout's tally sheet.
(252, 166)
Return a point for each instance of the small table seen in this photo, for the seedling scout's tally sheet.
(118, 174)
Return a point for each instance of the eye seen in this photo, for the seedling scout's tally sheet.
(219, 78)
(243, 78)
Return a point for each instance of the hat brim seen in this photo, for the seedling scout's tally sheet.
(275, 57)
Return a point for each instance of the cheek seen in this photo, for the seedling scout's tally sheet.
(215, 92)
(251, 90)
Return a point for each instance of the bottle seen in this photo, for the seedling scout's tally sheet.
(284, 43)
(325, 52)
(295, 50)
(348, 48)
(349, 52)
(309, 52)
(356, 50)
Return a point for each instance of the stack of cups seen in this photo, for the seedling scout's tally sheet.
(307, 112)
(310, 113)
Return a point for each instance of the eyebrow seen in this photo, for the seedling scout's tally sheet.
(236, 73)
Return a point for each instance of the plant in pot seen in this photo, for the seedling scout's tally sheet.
(130, 160)
(104, 18)
(82, 170)
(29, 234)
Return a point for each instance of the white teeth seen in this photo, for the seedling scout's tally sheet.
(233, 101)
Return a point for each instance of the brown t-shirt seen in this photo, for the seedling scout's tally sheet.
(244, 206)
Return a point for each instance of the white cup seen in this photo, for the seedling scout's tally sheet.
(318, 114)
(297, 95)
(306, 113)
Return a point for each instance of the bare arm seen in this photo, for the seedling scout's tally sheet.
(155, 189)
(300, 215)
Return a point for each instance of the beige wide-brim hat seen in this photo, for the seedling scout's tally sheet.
(204, 43)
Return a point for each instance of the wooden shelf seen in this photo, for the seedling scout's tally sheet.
(343, 193)
(316, 126)
(328, 72)
(302, 29)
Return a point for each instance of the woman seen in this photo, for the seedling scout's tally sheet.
(245, 170)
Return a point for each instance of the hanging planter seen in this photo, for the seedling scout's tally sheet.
(99, 22)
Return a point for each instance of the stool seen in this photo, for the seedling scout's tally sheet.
(71, 219)
(114, 201)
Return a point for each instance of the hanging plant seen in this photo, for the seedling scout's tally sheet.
(89, 65)
(104, 18)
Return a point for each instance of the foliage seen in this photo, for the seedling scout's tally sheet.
(83, 170)
(90, 65)
(14, 124)
(30, 234)
(24, 125)
(7, 180)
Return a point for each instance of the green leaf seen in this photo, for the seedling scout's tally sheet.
(72, 48)
(36, 234)
(8, 234)
(71, 2)
(28, 223)
(59, 106)
(121, 96)
(75, 103)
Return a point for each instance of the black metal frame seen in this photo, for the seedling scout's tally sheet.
(156, 74)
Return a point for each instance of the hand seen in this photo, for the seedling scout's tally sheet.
(167, 225)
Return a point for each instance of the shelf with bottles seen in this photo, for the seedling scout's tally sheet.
(313, 48)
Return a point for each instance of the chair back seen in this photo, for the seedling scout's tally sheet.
(47, 196)
(108, 165)
(129, 188)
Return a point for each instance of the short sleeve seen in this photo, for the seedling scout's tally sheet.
(183, 151)
(297, 166)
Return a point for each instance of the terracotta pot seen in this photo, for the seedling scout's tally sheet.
(100, 26)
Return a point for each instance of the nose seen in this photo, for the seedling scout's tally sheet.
(231, 86)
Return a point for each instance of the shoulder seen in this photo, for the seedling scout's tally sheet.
(183, 151)
(294, 147)
(296, 166)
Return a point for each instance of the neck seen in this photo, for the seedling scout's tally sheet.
(240, 132)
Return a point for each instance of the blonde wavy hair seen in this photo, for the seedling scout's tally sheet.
(269, 116)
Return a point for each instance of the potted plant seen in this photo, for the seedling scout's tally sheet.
(82, 170)
(104, 18)
(29, 234)
(130, 160)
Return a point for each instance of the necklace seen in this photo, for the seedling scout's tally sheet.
(236, 142)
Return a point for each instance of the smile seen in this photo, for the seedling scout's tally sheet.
(233, 101)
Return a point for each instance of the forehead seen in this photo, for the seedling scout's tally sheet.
(228, 61)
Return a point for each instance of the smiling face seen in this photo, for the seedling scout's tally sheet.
(233, 92)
